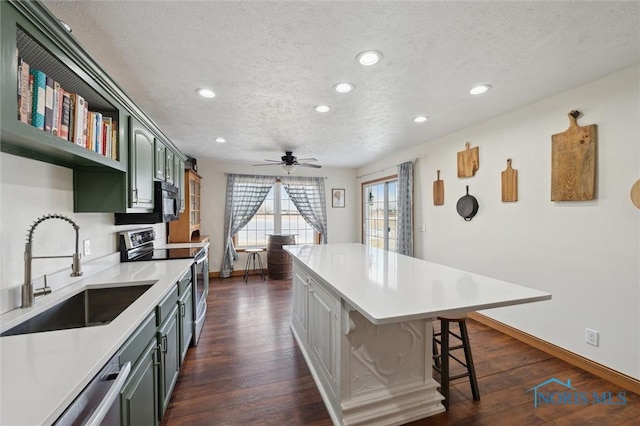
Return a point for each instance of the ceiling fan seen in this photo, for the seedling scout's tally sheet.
(289, 162)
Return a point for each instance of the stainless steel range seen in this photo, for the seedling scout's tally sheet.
(139, 245)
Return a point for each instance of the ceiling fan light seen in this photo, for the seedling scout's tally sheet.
(289, 168)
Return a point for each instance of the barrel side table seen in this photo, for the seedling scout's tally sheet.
(278, 260)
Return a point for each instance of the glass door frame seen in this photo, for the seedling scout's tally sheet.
(383, 180)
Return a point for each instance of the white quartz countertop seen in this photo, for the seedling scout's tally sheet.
(42, 373)
(386, 287)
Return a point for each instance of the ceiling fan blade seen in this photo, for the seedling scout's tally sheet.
(267, 164)
(307, 159)
(315, 166)
(274, 161)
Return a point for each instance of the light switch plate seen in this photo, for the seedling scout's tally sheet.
(87, 248)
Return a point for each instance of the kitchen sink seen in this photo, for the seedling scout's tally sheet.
(91, 307)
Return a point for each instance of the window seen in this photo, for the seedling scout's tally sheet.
(380, 214)
(276, 215)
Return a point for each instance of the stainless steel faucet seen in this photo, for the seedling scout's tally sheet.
(28, 293)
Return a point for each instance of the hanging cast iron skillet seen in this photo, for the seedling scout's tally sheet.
(467, 206)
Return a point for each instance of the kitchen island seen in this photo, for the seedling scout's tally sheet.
(363, 320)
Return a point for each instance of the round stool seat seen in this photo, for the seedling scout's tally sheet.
(454, 318)
(253, 255)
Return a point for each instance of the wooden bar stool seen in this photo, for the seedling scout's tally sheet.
(441, 358)
(253, 255)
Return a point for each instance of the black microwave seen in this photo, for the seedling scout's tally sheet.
(166, 206)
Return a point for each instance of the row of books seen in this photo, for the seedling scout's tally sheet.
(42, 103)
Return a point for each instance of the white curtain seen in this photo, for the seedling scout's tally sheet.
(245, 194)
(307, 194)
(405, 208)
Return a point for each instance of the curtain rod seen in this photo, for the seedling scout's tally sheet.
(382, 170)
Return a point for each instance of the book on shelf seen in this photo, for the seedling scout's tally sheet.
(57, 109)
(91, 128)
(24, 91)
(65, 116)
(97, 134)
(72, 117)
(107, 124)
(30, 100)
(80, 120)
(39, 90)
(114, 139)
(48, 105)
(19, 82)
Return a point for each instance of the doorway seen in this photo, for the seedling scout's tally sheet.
(380, 208)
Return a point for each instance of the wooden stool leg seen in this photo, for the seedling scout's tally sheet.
(444, 361)
(469, 361)
(436, 355)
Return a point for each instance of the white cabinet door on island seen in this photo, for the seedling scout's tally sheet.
(363, 320)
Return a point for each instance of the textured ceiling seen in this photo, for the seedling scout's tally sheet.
(270, 62)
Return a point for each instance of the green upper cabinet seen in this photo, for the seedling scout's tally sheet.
(170, 167)
(160, 160)
(164, 162)
(141, 166)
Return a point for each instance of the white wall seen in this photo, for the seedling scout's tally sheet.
(341, 222)
(30, 189)
(587, 254)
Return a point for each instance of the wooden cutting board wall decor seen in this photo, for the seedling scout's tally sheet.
(509, 183)
(468, 161)
(635, 194)
(573, 162)
(438, 191)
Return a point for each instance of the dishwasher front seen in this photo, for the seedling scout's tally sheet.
(99, 402)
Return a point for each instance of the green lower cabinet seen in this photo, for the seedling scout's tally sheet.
(139, 396)
(169, 342)
(185, 305)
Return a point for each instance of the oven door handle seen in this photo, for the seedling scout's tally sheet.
(114, 392)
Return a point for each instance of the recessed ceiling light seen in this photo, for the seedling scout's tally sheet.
(344, 87)
(421, 119)
(479, 89)
(221, 140)
(369, 57)
(65, 25)
(206, 93)
(322, 108)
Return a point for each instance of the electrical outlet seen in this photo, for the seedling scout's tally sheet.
(591, 337)
(423, 228)
(87, 248)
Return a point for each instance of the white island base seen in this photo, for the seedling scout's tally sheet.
(363, 320)
(367, 374)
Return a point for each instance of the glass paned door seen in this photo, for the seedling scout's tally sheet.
(380, 214)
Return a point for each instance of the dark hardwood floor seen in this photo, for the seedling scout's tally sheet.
(248, 370)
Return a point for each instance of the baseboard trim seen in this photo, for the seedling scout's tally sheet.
(216, 274)
(606, 373)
